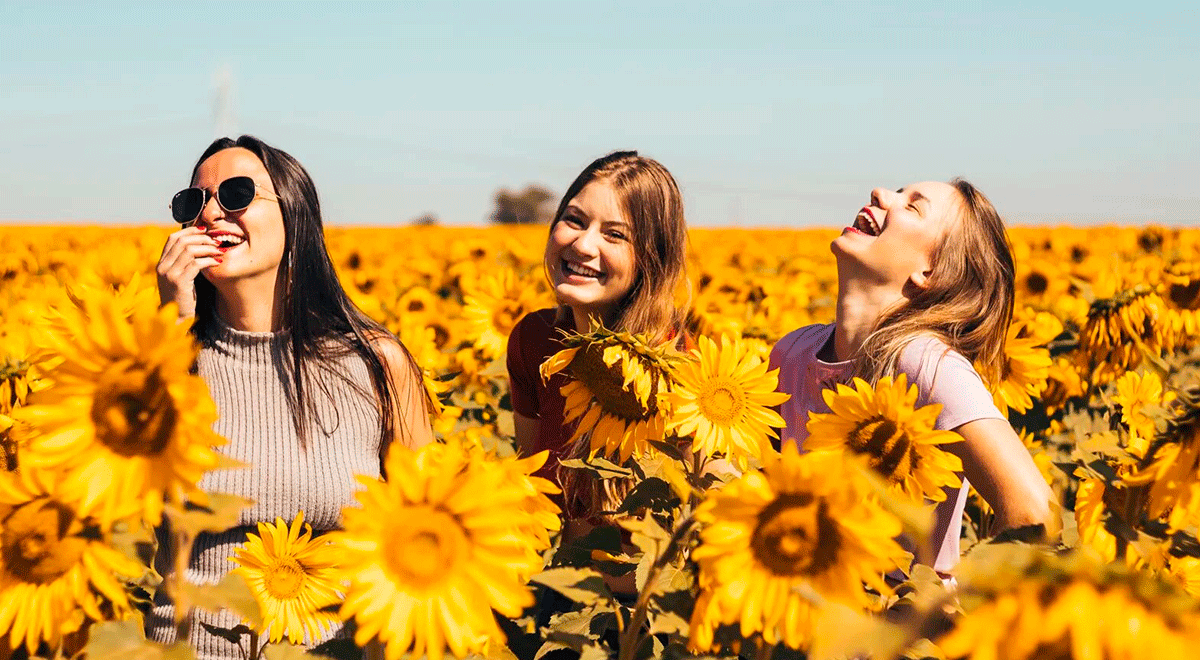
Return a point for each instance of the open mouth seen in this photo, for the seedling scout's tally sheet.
(865, 223)
(579, 270)
(226, 242)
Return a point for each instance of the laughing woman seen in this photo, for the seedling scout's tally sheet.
(616, 254)
(925, 289)
(310, 391)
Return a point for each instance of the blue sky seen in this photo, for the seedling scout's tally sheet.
(782, 114)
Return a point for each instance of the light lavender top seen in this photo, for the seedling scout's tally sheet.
(941, 374)
(247, 375)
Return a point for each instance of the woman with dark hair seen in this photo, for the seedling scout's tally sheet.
(310, 391)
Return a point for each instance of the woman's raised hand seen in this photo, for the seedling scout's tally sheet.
(187, 252)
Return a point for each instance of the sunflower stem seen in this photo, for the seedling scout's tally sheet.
(632, 637)
(181, 546)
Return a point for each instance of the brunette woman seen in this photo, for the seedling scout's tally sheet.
(310, 392)
(616, 254)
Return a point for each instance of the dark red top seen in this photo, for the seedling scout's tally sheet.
(533, 339)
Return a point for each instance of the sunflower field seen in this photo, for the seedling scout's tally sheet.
(712, 542)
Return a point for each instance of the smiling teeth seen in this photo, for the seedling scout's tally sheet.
(866, 224)
(229, 239)
(578, 269)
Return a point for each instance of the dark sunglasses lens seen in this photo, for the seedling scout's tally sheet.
(186, 205)
(236, 194)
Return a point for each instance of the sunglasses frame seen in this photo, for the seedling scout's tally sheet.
(259, 191)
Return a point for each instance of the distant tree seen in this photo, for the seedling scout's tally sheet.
(529, 206)
(424, 220)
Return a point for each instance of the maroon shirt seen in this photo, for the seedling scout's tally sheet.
(533, 339)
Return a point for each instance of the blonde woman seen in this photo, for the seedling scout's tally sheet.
(617, 254)
(925, 288)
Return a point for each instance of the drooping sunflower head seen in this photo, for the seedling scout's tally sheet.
(293, 577)
(1171, 463)
(802, 524)
(617, 390)
(125, 416)
(1120, 328)
(429, 557)
(1024, 603)
(723, 399)
(56, 571)
(898, 439)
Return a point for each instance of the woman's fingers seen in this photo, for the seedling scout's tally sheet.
(185, 254)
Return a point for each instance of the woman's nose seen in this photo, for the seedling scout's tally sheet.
(881, 198)
(585, 244)
(210, 212)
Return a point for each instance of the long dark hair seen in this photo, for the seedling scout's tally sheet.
(320, 320)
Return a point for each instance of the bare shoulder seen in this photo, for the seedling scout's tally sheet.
(394, 355)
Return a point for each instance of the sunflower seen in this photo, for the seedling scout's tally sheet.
(293, 577)
(1063, 384)
(1134, 392)
(1121, 328)
(804, 524)
(1021, 603)
(1182, 291)
(898, 439)
(125, 418)
(723, 398)
(56, 572)
(1094, 502)
(1171, 465)
(617, 392)
(494, 306)
(1026, 364)
(428, 557)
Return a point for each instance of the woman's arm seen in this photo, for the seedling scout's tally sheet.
(526, 429)
(410, 405)
(997, 463)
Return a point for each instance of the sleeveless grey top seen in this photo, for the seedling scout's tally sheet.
(248, 376)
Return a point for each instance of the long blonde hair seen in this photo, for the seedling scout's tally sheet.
(650, 199)
(968, 303)
(648, 195)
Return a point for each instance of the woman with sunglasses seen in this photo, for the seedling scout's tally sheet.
(310, 391)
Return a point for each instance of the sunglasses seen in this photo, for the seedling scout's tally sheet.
(233, 194)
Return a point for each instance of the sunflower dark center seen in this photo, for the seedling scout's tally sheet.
(1186, 296)
(796, 536)
(607, 385)
(1036, 283)
(35, 543)
(133, 411)
(887, 445)
(505, 316)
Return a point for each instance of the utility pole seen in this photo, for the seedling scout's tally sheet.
(223, 120)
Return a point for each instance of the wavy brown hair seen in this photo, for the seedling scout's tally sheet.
(648, 195)
(968, 302)
(650, 199)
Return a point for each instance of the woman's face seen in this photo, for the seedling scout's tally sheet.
(589, 255)
(252, 239)
(893, 237)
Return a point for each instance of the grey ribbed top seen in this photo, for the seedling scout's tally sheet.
(247, 375)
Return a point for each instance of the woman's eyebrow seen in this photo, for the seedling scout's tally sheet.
(918, 197)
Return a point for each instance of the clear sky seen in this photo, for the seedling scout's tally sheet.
(781, 113)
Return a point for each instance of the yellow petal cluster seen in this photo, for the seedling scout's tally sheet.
(778, 542)
(723, 399)
(433, 552)
(883, 424)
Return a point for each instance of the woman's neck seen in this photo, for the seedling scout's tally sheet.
(251, 305)
(859, 307)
